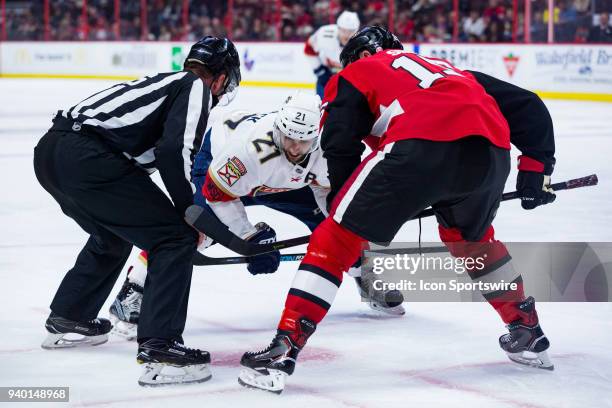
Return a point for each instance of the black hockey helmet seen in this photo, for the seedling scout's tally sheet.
(369, 38)
(220, 56)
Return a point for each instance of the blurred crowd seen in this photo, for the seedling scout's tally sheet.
(294, 20)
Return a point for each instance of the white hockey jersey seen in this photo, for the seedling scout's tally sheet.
(246, 162)
(323, 48)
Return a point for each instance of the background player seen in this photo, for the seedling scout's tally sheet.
(323, 47)
(271, 159)
(91, 161)
(439, 140)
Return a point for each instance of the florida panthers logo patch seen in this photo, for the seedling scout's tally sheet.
(231, 171)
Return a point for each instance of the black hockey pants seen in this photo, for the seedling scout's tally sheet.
(119, 206)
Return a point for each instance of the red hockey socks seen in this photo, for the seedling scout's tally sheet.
(332, 250)
(497, 267)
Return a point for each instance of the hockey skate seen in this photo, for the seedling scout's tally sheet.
(526, 343)
(388, 302)
(269, 368)
(91, 333)
(169, 362)
(125, 310)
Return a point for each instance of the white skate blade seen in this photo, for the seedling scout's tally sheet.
(58, 341)
(158, 374)
(530, 359)
(123, 329)
(387, 311)
(273, 382)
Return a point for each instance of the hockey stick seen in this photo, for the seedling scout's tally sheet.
(202, 260)
(585, 181)
(205, 222)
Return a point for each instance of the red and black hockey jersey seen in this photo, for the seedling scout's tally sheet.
(396, 95)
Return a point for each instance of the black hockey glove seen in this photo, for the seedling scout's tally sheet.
(268, 262)
(533, 183)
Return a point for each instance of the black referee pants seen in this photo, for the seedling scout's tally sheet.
(119, 206)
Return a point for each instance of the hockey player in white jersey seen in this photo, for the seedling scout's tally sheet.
(270, 159)
(323, 47)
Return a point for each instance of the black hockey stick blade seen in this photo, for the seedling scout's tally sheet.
(202, 260)
(205, 222)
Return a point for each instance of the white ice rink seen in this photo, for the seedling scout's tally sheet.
(438, 355)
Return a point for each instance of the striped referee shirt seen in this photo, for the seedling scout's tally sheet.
(158, 122)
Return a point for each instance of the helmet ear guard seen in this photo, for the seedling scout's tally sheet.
(369, 38)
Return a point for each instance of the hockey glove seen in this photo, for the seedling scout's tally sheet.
(533, 183)
(322, 71)
(264, 263)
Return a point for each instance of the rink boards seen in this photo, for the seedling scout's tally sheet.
(561, 71)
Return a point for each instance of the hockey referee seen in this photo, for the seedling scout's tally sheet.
(95, 161)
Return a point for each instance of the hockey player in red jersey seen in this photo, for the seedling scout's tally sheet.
(440, 138)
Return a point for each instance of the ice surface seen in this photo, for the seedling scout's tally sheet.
(442, 355)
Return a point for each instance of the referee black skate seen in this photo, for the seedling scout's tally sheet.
(95, 161)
